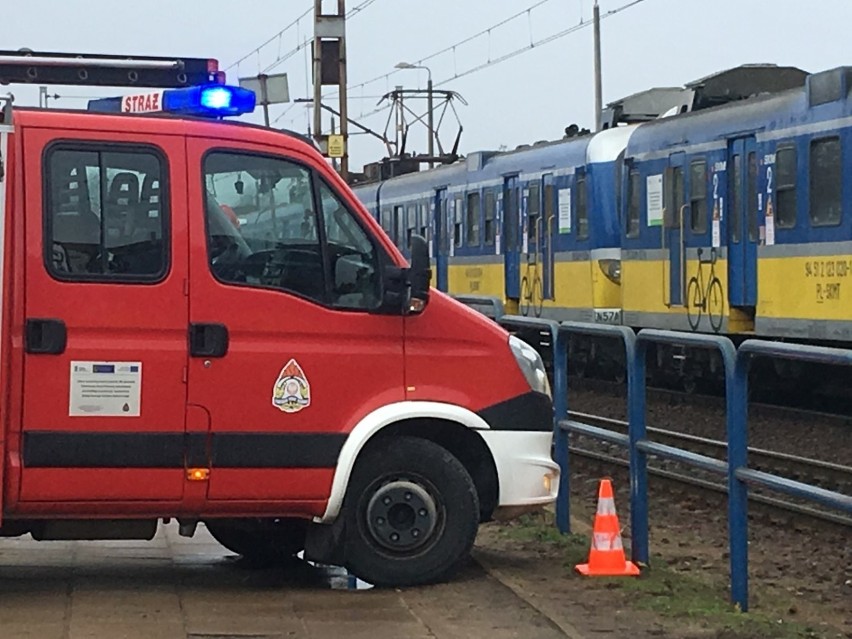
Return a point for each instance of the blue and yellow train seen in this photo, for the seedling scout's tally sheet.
(731, 212)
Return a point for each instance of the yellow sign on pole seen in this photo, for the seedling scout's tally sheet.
(336, 146)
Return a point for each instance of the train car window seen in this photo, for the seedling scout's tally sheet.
(473, 211)
(698, 196)
(399, 219)
(423, 208)
(675, 197)
(751, 194)
(785, 189)
(458, 218)
(582, 209)
(387, 222)
(736, 199)
(534, 213)
(548, 208)
(441, 228)
(411, 227)
(634, 202)
(490, 210)
(825, 171)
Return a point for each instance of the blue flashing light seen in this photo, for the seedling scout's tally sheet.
(214, 100)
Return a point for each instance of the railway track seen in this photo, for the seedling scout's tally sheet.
(828, 475)
(769, 410)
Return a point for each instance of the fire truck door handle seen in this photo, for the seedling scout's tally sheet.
(208, 340)
(45, 336)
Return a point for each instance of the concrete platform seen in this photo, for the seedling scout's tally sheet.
(176, 588)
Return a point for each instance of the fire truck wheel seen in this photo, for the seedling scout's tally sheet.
(260, 541)
(412, 513)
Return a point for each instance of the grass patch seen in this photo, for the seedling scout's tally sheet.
(685, 598)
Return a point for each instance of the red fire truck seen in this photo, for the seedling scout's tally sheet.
(201, 322)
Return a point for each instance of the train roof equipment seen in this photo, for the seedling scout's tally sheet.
(738, 83)
(744, 81)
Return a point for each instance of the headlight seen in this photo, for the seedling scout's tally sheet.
(612, 270)
(529, 361)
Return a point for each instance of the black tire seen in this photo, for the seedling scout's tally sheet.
(715, 304)
(260, 541)
(432, 499)
(526, 296)
(693, 303)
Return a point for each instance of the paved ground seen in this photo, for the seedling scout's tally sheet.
(173, 587)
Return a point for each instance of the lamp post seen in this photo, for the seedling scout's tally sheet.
(429, 116)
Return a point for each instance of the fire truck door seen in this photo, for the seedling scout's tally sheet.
(284, 352)
(106, 314)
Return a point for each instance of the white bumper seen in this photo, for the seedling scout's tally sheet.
(527, 474)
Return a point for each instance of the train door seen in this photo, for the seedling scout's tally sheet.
(511, 227)
(547, 223)
(742, 222)
(673, 240)
(442, 239)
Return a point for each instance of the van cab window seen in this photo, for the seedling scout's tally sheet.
(353, 259)
(264, 230)
(105, 215)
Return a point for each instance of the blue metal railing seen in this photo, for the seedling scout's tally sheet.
(739, 476)
(736, 367)
(566, 426)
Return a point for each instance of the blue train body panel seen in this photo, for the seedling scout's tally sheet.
(732, 219)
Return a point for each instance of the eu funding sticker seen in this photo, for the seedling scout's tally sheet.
(105, 389)
(654, 199)
(564, 210)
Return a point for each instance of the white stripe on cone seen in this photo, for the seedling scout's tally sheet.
(606, 506)
(606, 541)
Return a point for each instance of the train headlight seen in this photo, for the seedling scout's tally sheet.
(612, 269)
(531, 365)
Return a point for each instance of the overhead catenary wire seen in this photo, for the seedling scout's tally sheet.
(256, 50)
(502, 58)
(278, 36)
(452, 46)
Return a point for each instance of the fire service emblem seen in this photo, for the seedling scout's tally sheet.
(291, 392)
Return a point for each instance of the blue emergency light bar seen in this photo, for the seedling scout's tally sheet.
(212, 100)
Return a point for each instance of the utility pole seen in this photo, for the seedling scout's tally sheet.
(330, 69)
(598, 83)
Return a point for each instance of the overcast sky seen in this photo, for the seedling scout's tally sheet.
(532, 96)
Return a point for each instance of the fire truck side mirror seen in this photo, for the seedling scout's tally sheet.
(405, 291)
(419, 275)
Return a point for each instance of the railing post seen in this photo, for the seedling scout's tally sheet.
(638, 459)
(560, 436)
(736, 391)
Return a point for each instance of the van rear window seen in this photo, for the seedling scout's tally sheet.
(105, 214)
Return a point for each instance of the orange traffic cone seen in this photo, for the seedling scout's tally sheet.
(606, 558)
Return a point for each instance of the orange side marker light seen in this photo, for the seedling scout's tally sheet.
(198, 474)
